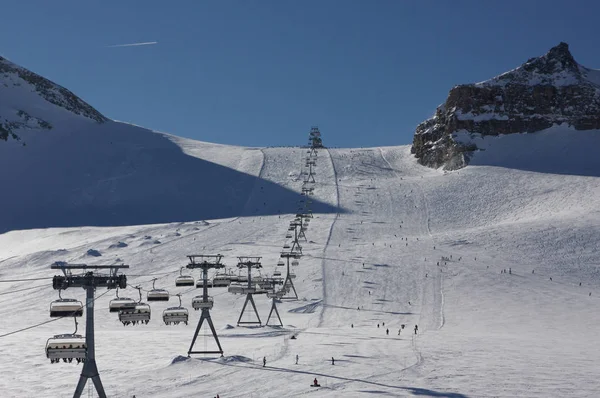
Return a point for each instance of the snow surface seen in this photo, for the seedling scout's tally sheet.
(482, 333)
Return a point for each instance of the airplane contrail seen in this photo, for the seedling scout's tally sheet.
(147, 43)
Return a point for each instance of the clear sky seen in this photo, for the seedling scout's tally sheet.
(260, 73)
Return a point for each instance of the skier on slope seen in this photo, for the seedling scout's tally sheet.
(265, 360)
(416, 328)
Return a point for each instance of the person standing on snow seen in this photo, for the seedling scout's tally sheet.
(265, 360)
(297, 359)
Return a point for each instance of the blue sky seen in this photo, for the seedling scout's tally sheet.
(260, 73)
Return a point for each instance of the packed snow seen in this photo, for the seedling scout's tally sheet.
(394, 243)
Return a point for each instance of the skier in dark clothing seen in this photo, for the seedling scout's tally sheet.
(265, 361)
(416, 328)
(332, 361)
(387, 331)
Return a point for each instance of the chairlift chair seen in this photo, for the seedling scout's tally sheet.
(235, 288)
(286, 246)
(295, 262)
(157, 294)
(280, 263)
(288, 236)
(277, 273)
(66, 347)
(65, 307)
(139, 314)
(200, 283)
(199, 303)
(175, 315)
(221, 280)
(184, 280)
(119, 303)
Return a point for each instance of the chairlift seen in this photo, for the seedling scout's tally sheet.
(243, 278)
(200, 283)
(64, 307)
(119, 303)
(241, 289)
(288, 236)
(139, 314)
(221, 280)
(280, 263)
(286, 245)
(295, 262)
(175, 315)
(199, 303)
(235, 288)
(277, 273)
(66, 347)
(157, 294)
(184, 280)
(292, 275)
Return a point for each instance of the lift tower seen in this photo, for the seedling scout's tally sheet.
(274, 295)
(295, 226)
(249, 262)
(89, 280)
(314, 140)
(288, 284)
(205, 262)
(310, 178)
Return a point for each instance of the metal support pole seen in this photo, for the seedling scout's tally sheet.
(274, 308)
(205, 316)
(251, 300)
(289, 281)
(90, 370)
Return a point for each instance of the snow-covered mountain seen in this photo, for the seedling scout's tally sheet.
(551, 90)
(497, 266)
(30, 101)
(64, 164)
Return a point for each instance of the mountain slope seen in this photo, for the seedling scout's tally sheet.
(481, 333)
(30, 101)
(80, 168)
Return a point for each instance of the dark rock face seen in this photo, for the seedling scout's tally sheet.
(551, 89)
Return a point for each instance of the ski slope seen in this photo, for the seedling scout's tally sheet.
(374, 260)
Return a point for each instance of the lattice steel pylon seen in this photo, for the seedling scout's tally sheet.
(274, 296)
(89, 281)
(249, 262)
(288, 284)
(205, 262)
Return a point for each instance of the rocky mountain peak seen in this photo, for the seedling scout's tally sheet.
(544, 91)
(558, 59)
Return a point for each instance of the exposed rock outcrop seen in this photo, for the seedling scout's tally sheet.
(551, 89)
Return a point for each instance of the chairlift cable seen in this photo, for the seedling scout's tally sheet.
(24, 289)
(45, 322)
(25, 279)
